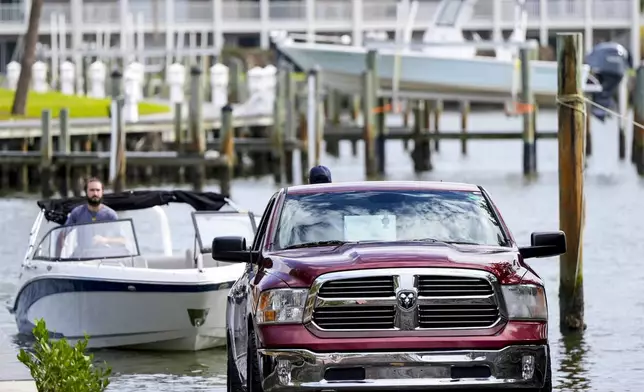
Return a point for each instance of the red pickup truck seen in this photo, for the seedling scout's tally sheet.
(375, 286)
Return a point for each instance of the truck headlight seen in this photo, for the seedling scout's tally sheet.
(281, 306)
(525, 302)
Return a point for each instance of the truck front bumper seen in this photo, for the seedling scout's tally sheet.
(513, 367)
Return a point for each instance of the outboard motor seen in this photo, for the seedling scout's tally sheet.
(609, 62)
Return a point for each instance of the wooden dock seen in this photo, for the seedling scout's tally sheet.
(196, 143)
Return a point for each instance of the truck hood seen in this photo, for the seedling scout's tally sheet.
(300, 267)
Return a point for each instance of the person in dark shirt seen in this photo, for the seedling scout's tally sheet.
(319, 175)
(92, 212)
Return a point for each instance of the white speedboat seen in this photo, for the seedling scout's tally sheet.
(120, 297)
(443, 66)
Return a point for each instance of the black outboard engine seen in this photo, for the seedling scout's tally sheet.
(609, 62)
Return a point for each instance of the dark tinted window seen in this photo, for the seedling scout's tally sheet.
(455, 216)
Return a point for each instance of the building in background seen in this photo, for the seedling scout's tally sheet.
(249, 22)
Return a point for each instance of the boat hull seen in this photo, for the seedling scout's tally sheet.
(424, 74)
(142, 314)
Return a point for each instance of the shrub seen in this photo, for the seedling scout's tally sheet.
(59, 367)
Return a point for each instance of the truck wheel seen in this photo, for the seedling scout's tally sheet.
(252, 374)
(232, 374)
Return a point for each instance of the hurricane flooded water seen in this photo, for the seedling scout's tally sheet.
(606, 357)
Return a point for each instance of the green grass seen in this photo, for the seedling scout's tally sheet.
(79, 107)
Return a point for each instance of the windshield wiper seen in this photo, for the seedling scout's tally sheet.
(317, 243)
(434, 240)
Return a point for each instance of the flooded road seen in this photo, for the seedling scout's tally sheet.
(605, 358)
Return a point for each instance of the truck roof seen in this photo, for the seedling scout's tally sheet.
(381, 185)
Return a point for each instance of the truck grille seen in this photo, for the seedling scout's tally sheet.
(367, 287)
(457, 316)
(351, 317)
(453, 286)
(378, 301)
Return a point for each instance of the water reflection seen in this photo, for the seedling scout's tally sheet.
(573, 367)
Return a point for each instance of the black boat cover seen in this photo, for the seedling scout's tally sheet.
(56, 210)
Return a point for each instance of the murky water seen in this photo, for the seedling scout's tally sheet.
(605, 358)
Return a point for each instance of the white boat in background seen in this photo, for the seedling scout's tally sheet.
(443, 66)
(120, 297)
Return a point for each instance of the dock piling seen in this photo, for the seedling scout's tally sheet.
(637, 153)
(438, 111)
(279, 127)
(571, 113)
(290, 125)
(381, 131)
(46, 155)
(179, 138)
(195, 126)
(319, 118)
(370, 98)
(227, 135)
(465, 114)
(118, 181)
(421, 154)
(64, 147)
(623, 110)
(368, 134)
(527, 103)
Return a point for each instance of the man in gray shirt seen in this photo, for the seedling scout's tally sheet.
(91, 212)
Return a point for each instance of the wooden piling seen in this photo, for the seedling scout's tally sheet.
(381, 134)
(370, 97)
(179, 139)
(5, 170)
(290, 125)
(279, 127)
(438, 111)
(368, 126)
(589, 135)
(356, 105)
(623, 110)
(120, 179)
(24, 169)
(637, 153)
(465, 113)
(46, 155)
(303, 136)
(527, 104)
(227, 151)
(421, 154)
(571, 178)
(195, 126)
(64, 147)
(333, 108)
(236, 86)
(319, 118)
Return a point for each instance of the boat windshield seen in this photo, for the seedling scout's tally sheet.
(89, 241)
(211, 224)
(463, 217)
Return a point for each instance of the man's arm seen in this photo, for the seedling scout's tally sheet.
(71, 220)
(119, 239)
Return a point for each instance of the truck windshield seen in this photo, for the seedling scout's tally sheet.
(337, 217)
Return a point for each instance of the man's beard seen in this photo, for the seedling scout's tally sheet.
(94, 201)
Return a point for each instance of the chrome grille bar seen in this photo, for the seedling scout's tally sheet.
(445, 302)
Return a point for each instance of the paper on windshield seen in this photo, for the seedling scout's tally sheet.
(370, 228)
